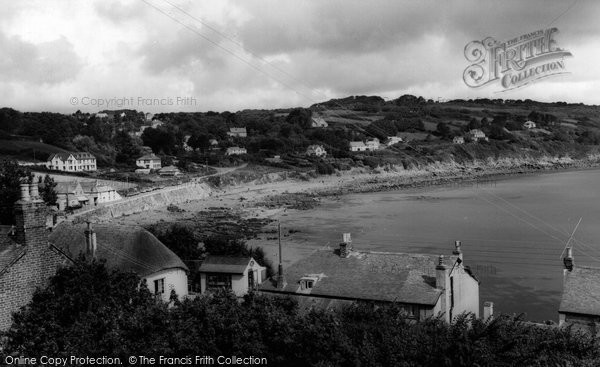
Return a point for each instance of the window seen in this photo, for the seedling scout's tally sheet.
(159, 286)
(218, 281)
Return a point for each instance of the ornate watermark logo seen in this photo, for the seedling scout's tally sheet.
(514, 63)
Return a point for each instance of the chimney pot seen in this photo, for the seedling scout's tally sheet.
(34, 191)
(568, 259)
(25, 192)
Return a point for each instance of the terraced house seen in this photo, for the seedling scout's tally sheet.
(72, 162)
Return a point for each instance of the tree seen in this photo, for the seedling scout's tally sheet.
(474, 124)
(443, 130)
(300, 116)
(11, 175)
(48, 191)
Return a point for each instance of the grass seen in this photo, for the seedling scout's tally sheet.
(27, 150)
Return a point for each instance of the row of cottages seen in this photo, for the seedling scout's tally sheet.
(72, 162)
(31, 253)
(368, 145)
(316, 151)
(76, 194)
(425, 285)
(236, 151)
(237, 132)
(169, 171)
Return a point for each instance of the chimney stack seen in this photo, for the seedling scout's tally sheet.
(568, 259)
(281, 283)
(30, 217)
(488, 311)
(34, 191)
(345, 245)
(442, 282)
(457, 250)
(25, 192)
(90, 242)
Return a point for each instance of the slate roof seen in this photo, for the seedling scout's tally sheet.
(225, 264)
(581, 291)
(9, 252)
(128, 248)
(376, 276)
(153, 157)
(62, 156)
(357, 144)
(66, 187)
(76, 155)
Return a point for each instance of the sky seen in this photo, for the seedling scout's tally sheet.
(229, 55)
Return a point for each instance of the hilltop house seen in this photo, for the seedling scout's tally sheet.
(316, 151)
(318, 121)
(580, 301)
(150, 161)
(424, 285)
(237, 132)
(458, 140)
(72, 162)
(99, 193)
(127, 248)
(238, 274)
(476, 135)
(372, 144)
(529, 125)
(27, 259)
(357, 146)
(236, 151)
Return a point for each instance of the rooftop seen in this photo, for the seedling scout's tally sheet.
(225, 264)
(581, 291)
(377, 276)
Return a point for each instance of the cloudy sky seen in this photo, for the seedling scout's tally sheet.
(230, 55)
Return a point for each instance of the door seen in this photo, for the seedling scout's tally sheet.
(250, 279)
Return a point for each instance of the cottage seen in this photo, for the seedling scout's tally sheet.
(392, 140)
(580, 301)
(357, 146)
(529, 125)
(169, 171)
(70, 194)
(318, 121)
(425, 285)
(236, 151)
(477, 135)
(151, 161)
(127, 248)
(238, 274)
(372, 144)
(458, 140)
(237, 132)
(72, 162)
(98, 193)
(316, 151)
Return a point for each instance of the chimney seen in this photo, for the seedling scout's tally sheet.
(30, 218)
(488, 311)
(442, 282)
(457, 250)
(90, 242)
(568, 259)
(281, 283)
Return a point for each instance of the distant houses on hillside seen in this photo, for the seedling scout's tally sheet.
(72, 162)
(318, 121)
(236, 151)
(237, 132)
(369, 145)
(316, 151)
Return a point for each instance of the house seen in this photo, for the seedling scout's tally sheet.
(98, 193)
(156, 123)
(169, 171)
(529, 125)
(357, 146)
(101, 115)
(27, 259)
(239, 274)
(391, 140)
(70, 194)
(186, 147)
(580, 302)
(477, 135)
(236, 151)
(424, 285)
(213, 143)
(149, 116)
(372, 144)
(458, 140)
(318, 121)
(151, 161)
(237, 132)
(72, 162)
(127, 248)
(316, 151)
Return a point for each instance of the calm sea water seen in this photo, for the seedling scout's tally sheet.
(513, 231)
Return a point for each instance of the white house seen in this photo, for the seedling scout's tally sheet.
(72, 162)
(391, 140)
(101, 115)
(236, 151)
(151, 161)
(423, 285)
(477, 135)
(357, 146)
(318, 121)
(239, 132)
(99, 193)
(316, 151)
(156, 123)
(127, 248)
(458, 140)
(239, 274)
(372, 144)
(529, 125)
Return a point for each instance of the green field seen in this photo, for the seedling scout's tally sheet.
(27, 150)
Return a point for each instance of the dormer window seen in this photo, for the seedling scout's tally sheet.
(308, 282)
